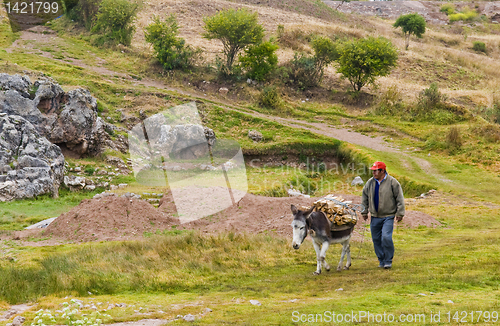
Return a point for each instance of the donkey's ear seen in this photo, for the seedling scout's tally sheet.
(294, 210)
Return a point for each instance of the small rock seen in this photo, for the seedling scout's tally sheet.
(223, 90)
(422, 294)
(255, 135)
(18, 321)
(122, 185)
(340, 289)
(188, 317)
(357, 181)
(255, 303)
(207, 310)
(449, 301)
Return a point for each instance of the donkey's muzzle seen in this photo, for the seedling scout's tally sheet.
(295, 245)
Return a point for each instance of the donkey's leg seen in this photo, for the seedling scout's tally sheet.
(339, 266)
(317, 248)
(348, 252)
(322, 256)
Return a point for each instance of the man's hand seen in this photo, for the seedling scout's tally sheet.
(399, 218)
(365, 217)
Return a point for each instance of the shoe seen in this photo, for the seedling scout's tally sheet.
(380, 265)
(387, 266)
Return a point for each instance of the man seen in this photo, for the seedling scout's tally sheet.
(383, 198)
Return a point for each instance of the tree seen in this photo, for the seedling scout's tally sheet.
(170, 49)
(411, 24)
(361, 61)
(236, 29)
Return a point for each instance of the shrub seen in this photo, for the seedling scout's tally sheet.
(236, 29)
(448, 8)
(115, 20)
(431, 97)
(303, 71)
(307, 71)
(361, 61)
(390, 102)
(479, 46)
(170, 50)
(466, 15)
(84, 12)
(260, 60)
(270, 98)
(325, 52)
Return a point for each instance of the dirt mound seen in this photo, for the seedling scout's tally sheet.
(257, 214)
(123, 218)
(109, 218)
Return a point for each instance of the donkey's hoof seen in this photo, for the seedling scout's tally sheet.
(346, 267)
(327, 268)
(339, 269)
(316, 273)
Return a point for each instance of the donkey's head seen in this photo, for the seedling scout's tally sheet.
(300, 225)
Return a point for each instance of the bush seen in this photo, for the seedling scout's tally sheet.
(431, 97)
(170, 50)
(361, 61)
(448, 8)
(303, 71)
(390, 102)
(84, 12)
(236, 29)
(270, 98)
(325, 52)
(466, 15)
(479, 46)
(260, 60)
(114, 21)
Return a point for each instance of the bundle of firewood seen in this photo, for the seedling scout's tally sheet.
(336, 213)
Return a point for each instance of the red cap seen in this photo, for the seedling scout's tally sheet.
(378, 165)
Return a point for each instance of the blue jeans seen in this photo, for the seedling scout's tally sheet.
(381, 229)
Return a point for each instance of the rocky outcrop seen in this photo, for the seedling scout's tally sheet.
(29, 164)
(184, 141)
(68, 119)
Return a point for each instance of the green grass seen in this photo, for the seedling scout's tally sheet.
(431, 267)
(18, 214)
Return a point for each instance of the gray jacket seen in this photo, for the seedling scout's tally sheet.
(391, 200)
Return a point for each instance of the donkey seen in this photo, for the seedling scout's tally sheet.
(318, 227)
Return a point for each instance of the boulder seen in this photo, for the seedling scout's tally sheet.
(29, 164)
(66, 119)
